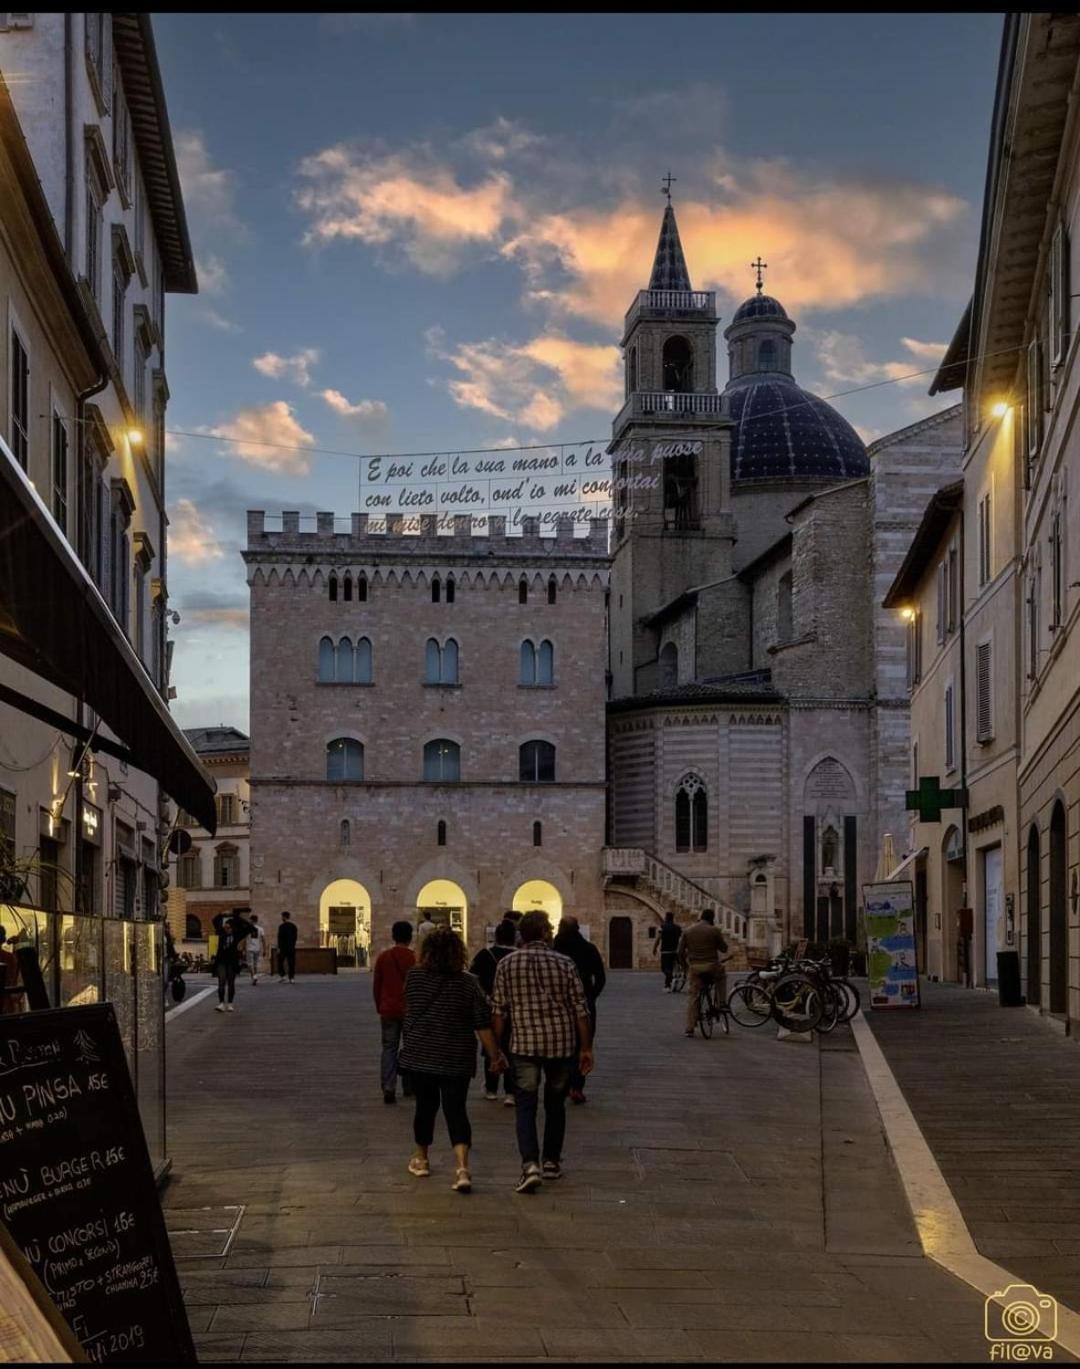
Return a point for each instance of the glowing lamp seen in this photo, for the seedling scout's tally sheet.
(135, 437)
(907, 614)
(1000, 409)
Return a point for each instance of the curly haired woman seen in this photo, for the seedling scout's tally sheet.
(445, 1011)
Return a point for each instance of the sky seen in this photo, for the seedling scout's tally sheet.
(420, 232)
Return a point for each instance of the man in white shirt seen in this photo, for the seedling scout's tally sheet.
(424, 928)
(256, 943)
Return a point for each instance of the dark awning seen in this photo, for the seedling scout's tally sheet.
(54, 622)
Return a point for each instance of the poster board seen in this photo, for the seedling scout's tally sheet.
(889, 921)
(77, 1190)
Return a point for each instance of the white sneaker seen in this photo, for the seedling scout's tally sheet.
(667, 988)
(230, 1008)
(491, 1097)
(509, 1101)
(220, 1007)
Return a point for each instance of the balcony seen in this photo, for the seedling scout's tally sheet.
(672, 303)
(662, 405)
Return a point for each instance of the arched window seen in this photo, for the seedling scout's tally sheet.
(344, 759)
(327, 667)
(528, 663)
(766, 357)
(553, 589)
(436, 590)
(440, 833)
(344, 673)
(432, 662)
(631, 373)
(441, 662)
(523, 591)
(678, 364)
(347, 587)
(538, 834)
(536, 762)
(362, 663)
(449, 673)
(345, 832)
(545, 663)
(442, 760)
(784, 628)
(192, 927)
(449, 589)
(691, 815)
(333, 586)
(669, 666)
(361, 588)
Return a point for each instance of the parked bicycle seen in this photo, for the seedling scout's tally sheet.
(800, 994)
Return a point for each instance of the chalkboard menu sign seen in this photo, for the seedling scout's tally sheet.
(77, 1190)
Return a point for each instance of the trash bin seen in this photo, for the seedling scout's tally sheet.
(1008, 966)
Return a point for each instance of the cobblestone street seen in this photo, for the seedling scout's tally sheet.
(729, 1199)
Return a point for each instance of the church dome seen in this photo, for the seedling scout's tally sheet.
(759, 306)
(784, 433)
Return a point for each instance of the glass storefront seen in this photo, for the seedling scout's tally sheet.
(87, 959)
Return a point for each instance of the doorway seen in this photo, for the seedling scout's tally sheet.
(539, 896)
(345, 921)
(621, 943)
(1059, 914)
(992, 906)
(1034, 918)
(444, 903)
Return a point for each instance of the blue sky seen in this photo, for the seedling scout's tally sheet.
(420, 232)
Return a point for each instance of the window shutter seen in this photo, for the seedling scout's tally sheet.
(950, 750)
(984, 721)
(941, 602)
(1033, 402)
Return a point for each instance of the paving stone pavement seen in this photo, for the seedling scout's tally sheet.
(725, 1200)
(996, 1093)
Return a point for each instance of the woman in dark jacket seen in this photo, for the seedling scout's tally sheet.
(484, 965)
(445, 1011)
(590, 966)
(231, 929)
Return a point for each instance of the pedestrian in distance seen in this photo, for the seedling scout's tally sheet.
(590, 966)
(286, 948)
(423, 930)
(539, 992)
(667, 943)
(484, 965)
(231, 929)
(701, 950)
(388, 989)
(255, 946)
(445, 1011)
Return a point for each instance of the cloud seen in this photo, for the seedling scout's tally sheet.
(268, 436)
(216, 617)
(364, 411)
(500, 139)
(296, 368)
(212, 274)
(191, 536)
(407, 199)
(843, 360)
(208, 190)
(534, 384)
(216, 320)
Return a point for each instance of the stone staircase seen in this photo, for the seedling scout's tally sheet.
(634, 871)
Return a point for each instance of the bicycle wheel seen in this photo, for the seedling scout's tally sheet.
(834, 1003)
(852, 1001)
(798, 1003)
(750, 1005)
(705, 1011)
(678, 980)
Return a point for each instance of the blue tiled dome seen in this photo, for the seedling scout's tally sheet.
(759, 306)
(784, 433)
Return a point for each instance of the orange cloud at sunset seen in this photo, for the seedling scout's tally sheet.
(191, 537)
(268, 435)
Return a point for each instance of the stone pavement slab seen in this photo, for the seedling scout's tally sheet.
(725, 1200)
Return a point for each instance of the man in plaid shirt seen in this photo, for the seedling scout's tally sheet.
(541, 993)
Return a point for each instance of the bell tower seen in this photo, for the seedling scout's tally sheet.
(670, 454)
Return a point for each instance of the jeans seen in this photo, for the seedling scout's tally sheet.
(226, 975)
(286, 958)
(491, 1081)
(577, 1079)
(451, 1090)
(253, 964)
(527, 1070)
(667, 964)
(391, 1040)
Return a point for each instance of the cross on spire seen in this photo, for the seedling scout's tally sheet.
(759, 266)
(668, 182)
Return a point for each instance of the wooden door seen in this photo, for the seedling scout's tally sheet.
(621, 943)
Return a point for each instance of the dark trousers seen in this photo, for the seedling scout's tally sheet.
(391, 1040)
(226, 976)
(450, 1090)
(491, 1081)
(527, 1071)
(577, 1079)
(667, 964)
(286, 958)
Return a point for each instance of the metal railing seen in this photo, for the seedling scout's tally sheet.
(688, 300)
(693, 897)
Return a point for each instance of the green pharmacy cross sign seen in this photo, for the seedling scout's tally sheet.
(930, 799)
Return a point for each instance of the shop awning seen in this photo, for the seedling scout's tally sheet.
(54, 622)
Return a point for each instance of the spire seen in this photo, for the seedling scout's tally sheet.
(669, 266)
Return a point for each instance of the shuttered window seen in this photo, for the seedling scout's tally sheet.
(941, 602)
(1059, 296)
(984, 703)
(1033, 401)
(950, 739)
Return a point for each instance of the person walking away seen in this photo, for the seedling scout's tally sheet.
(286, 948)
(388, 990)
(445, 1011)
(701, 950)
(424, 930)
(256, 945)
(231, 929)
(484, 965)
(667, 943)
(540, 993)
(590, 966)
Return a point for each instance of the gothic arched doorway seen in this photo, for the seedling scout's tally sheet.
(678, 364)
(444, 902)
(621, 943)
(345, 920)
(539, 896)
(1034, 918)
(1059, 914)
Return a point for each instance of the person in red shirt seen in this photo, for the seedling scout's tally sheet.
(388, 989)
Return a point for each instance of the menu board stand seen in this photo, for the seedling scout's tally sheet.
(892, 966)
